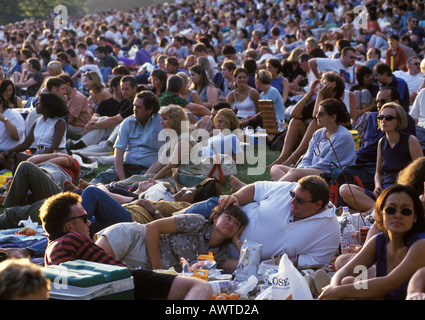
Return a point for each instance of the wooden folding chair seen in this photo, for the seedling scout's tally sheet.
(268, 116)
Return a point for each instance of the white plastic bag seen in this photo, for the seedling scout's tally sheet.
(288, 283)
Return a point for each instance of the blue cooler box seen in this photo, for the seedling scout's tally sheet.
(85, 280)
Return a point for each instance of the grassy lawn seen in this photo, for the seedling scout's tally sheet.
(243, 169)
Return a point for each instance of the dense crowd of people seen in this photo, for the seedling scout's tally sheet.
(162, 89)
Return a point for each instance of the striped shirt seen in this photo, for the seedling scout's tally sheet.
(73, 246)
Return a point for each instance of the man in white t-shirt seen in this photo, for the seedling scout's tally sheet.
(413, 76)
(295, 218)
(344, 66)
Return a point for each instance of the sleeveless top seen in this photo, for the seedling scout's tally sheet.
(246, 107)
(381, 263)
(203, 94)
(44, 132)
(278, 84)
(394, 159)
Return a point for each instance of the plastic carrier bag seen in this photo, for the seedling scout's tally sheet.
(287, 284)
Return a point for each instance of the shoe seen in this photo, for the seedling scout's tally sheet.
(321, 280)
(310, 281)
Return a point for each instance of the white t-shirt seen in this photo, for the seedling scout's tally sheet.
(418, 108)
(6, 142)
(413, 82)
(329, 64)
(315, 239)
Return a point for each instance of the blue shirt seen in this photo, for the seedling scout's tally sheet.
(279, 107)
(69, 69)
(141, 144)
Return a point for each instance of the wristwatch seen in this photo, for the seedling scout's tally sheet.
(4, 119)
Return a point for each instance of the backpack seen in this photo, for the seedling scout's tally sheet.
(362, 175)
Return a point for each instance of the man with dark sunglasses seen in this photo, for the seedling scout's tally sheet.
(295, 218)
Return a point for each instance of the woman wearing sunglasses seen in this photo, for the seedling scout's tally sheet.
(396, 150)
(397, 250)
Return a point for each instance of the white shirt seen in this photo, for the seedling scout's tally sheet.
(315, 239)
(328, 64)
(413, 82)
(6, 142)
(418, 109)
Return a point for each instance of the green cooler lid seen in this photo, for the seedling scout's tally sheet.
(80, 273)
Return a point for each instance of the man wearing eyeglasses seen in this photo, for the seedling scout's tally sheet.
(413, 76)
(413, 29)
(295, 218)
(65, 220)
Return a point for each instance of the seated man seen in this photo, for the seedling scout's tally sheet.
(137, 144)
(172, 96)
(295, 218)
(79, 110)
(110, 112)
(105, 118)
(65, 220)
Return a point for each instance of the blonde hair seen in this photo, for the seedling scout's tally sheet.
(56, 67)
(97, 81)
(177, 116)
(229, 116)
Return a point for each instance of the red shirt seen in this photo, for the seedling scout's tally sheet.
(73, 246)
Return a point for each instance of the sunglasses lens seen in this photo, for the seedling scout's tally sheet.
(390, 211)
(406, 212)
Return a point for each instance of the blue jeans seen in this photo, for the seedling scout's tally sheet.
(203, 208)
(102, 210)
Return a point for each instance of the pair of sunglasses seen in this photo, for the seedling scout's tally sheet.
(83, 216)
(391, 211)
(297, 198)
(387, 117)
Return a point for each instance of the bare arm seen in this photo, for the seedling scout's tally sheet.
(119, 163)
(153, 231)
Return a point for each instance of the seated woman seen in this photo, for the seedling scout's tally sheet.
(332, 138)
(12, 127)
(96, 88)
(268, 92)
(205, 88)
(161, 244)
(31, 79)
(278, 80)
(226, 141)
(174, 118)
(301, 128)
(158, 79)
(244, 100)
(47, 132)
(396, 150)
(8, 92)
(399, 216)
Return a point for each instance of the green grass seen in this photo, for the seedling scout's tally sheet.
(243, 173)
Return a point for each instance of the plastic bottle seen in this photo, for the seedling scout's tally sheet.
(347, 228)
(222, 286)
